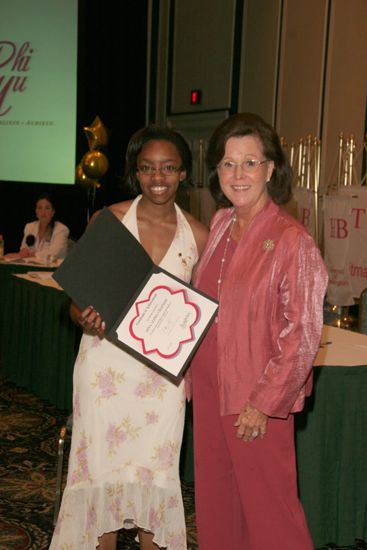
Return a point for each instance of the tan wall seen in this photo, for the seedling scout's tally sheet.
(259, 57)
(301, 70)
(346, 81)
(303, 67)
(202, 56)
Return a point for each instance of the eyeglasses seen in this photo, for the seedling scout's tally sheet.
(165, 170)
(249, 166)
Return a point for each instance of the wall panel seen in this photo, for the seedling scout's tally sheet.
(301, 64)
(346, 82)
(301, 72)
(259, 58)
(203, 34)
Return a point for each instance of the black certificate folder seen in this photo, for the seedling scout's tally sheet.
(148, 312)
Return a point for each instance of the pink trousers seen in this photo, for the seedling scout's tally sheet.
(245, 493)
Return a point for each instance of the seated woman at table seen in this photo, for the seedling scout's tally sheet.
(127, 419)
(45, 236)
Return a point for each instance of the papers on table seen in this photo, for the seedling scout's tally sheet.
(339, 347)
(25, 261)
(43, 275)
(148, 312)
(32, 261)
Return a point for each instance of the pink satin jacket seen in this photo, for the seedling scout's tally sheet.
(270, 315)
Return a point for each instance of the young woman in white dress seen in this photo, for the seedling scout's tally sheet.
(127, 419)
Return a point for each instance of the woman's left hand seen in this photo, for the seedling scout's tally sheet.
(91, 322)
(251, 423)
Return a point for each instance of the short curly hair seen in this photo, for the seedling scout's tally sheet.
(249, 124)
(136, 144)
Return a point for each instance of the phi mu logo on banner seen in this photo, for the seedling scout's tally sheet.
(14, 62)
(339, 228)
(345, 235)
(306, 209)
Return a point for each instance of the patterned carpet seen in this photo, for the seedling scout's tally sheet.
(29, 429)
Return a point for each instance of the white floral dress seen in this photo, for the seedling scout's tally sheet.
(127, 431)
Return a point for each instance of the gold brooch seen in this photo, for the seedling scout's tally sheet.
(268, 244)
(184, 262)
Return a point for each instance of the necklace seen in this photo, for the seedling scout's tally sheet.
(219, 282)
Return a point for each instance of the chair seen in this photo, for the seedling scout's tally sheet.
(64, 431)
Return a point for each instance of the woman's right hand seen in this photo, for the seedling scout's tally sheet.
(251, 423)
(91, 322)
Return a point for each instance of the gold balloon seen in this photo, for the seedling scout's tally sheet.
(97, 134)
(82, 178)
(94, 164)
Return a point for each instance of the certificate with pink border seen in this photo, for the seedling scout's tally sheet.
(165, 323)
(148, 312)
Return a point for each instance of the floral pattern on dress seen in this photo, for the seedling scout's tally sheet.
(145, 476)
(152, 417)
(76, 403)
(81, 473)
(63, 515)
(83, 350)
(172, 502)
(106, 382)
(115, 507)
(153, 386)
(165, 455)
(91, 518)
(131, 506)
(118, 433)
(87, 342)
(156, 517)
(96, 341)
(115, 489)
(177, 541)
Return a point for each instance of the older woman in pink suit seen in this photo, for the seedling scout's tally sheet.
(254, 367)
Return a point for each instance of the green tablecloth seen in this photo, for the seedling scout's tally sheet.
(38, 340)
(6, 270)
(331, 442)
